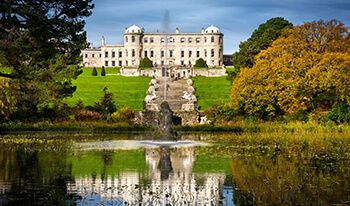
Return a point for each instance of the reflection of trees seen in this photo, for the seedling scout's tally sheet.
(280, 181)
(35, 177)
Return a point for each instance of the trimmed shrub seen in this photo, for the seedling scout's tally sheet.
(103, 72)
(201, 63)
(94, 72)
(123, 115)
(146, 63)
(86, 115)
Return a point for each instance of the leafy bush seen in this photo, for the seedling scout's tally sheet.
(86, 115)
(123, 115)
(201, 63)
(220, 113)
(146, 63)
(340, 113)
(103, 72)
(94, 72)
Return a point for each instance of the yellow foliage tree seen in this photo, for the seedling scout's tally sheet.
(7, 100)
(305, 67)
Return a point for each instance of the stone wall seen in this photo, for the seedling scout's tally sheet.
(151, 118)
(188, 117)
(209, 72)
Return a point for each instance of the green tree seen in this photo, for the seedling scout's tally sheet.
(146, 63)
(41, 40)
(106, 105)
(307, 67)
(200, 63)
(103, 71)
(260, 40)
(94, 72)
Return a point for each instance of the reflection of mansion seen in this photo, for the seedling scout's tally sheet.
(178, 49)
(170, 180)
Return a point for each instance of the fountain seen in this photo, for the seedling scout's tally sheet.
(165, 132)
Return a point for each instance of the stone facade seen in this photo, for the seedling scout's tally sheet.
(181, 49)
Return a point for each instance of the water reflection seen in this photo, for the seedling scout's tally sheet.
(168, 180)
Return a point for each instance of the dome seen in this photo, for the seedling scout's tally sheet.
(133, 29)
(212, 29)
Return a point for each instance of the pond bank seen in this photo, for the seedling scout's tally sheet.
(120, 128)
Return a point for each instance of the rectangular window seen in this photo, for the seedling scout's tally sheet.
(133, 38)
(162, 40)
(212, 53)
(182, 40)
(182, 63)
(145, 53)
(106, 54)
(113, 63)
(113, 54)
(93, 55)
(171, 53)
(146, 40)
(100, 55)
(189, 53)
(198, 53)
(152, 53)
(152, 40)
(162, 53)
(133, 52)
(120, 54)
(120, 63)
(182, 53)
(86, 55)
(106, 63)
(190, 40)
(198, 40)
(162, 62)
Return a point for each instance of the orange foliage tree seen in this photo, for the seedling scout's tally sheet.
(306, 67)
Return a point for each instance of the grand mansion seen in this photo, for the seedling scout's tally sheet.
(177, 48)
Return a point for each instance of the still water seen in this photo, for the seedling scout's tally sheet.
(132, 170)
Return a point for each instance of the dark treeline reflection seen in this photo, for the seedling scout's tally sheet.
(33, 178)
(284, 181)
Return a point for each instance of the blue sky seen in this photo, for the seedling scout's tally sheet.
(236, 19)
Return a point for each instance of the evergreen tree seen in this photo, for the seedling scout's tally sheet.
(94, 72)
(41, 40)
(103, 72)
(260, 40)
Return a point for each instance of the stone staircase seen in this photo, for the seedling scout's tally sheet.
(173, 94)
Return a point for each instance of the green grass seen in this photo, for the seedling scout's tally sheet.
(210, 90)
(129, 91)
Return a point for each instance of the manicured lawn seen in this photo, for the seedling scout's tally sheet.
(129, 91)
(210, 90)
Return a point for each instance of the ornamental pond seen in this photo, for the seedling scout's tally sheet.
(200, 169)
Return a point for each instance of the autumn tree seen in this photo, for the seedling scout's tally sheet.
(41, 40)
(305, 68)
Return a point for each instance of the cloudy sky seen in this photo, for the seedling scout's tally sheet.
(236, 19)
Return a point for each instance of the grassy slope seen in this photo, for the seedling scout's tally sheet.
(129, 91)
(210, 90)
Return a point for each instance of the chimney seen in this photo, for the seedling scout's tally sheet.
(91, 45)
(202, 30)
(126, 29)
(103, 40)
(177, 30)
